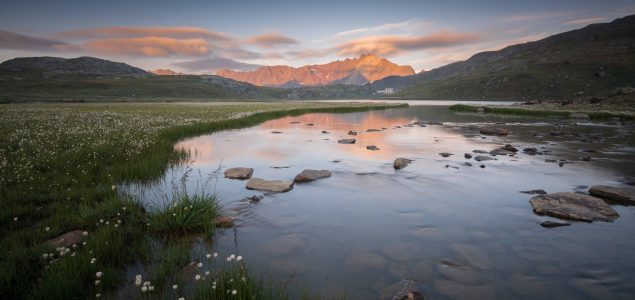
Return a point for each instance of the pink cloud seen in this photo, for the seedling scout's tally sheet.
(131, 32)
(271, 40)
(390, 44)
(150, 46)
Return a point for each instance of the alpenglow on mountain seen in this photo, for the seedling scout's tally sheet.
(356, 71)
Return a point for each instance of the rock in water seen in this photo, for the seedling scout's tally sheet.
(352, 132)
(530, 151)
(223, 222)
(494, 131)
(573, 206)
(67, 239)
(618, 195)
(445, 154)
(277, 186)
(535, 192)
(401, 163)
(483, 158)
(239, 173)
(346, 141)
(467, 155)
(310, 175)
(551, 224)
(372, 147)
(509, 148)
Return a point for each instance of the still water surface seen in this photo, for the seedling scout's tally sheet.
(458, 232)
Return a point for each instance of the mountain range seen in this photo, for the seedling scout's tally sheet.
(579, 64)
(356, 71)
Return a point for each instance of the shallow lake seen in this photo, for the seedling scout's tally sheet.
(456, 231)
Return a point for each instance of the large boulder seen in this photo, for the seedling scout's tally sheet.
(483, 158)
(223, 222)
(494, 131)
(573, 206)
(239, 173)
(615, 194)
(310, 175)
(276, 186)
(401, 163)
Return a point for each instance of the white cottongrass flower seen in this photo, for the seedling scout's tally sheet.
(234, 292)
(45, 255)
(124, 208)
(215, 254)
(174, 287)
(208, 256)
(181, 298)
(98, 274)
(144, 288)
(114, 187)
(85, 233)
(92, 260)
(197, 277)
(239, 258)
(206, 273)
(15, 219)
(199, 265)
(47, 228)
(151, 288)
(138, 280)
(97, 282)
(97, 295)
(147, 283)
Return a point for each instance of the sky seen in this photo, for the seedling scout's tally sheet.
(204, 36)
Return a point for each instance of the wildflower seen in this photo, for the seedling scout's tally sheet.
(206, 272)
(97, 295)
(85, 233)
(137, 281)
(147, 283)
(199, 264)
(101, 220)
(234, 292)
(215, 254)
(15, 219)
(174, 214)
(181, 298)
(114, 187)
(144, 288)
(239, 258)
(197, 277)
(47, 228)
(97, 282)
(45, 255)
(124, 208)
(151, 288)
(92, 260)
(98, 274)
(174, 287)
(208, 255)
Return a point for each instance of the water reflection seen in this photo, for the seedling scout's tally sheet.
(456, 231)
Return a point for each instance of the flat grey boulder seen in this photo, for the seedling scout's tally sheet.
(573, 206)
(615, 194)
(67, 239)
(239, 173)
(276, 186)
(372, 147)
(401, 163)
(346, 141)
(310, 175)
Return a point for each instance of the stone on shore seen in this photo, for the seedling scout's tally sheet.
(401, 163)
(67, 239)
(372, 147)
(483, 158)
(615, 194)
(445, 154)
(573, 206)
(276, 186)
(239, 173)
(310, 175)
(494, 131)
(552, 224)
(346, 141)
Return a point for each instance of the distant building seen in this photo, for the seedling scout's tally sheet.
(386, 91)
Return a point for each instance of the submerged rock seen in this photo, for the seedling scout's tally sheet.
(277, 186)
(363, 262)
(223, 222)
(346, 141)
(445, 154)
(615, 194)
(467, 155)
(372, 147)
(310, 175)
(494, 131)
(551, 224)
(530, 151)
(573, 206)
(239, 173)
(352, 132)
(509, 148)
(535, 192)
(501, 151)
(67, 239)
(483, 158)
(255, 198)
(401, 163)
(480, 151)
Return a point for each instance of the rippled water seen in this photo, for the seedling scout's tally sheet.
(458, 232)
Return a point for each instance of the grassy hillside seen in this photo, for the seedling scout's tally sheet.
(592, 61)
